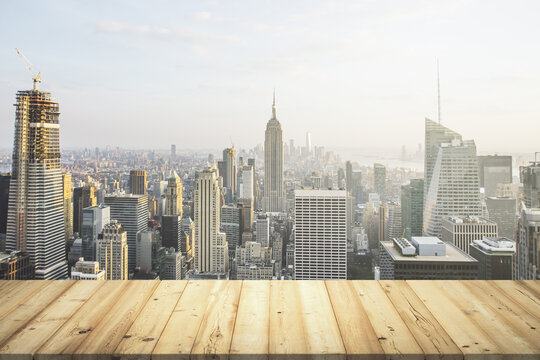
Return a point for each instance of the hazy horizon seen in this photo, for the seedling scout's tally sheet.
(200, 74)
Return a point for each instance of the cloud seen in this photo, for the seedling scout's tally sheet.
(164, 33)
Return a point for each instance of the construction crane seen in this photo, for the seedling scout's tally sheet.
(27, 63)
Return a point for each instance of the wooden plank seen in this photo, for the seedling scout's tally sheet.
(19, 292)
(531, 285)
(142, 337)
(516, 323)
(472, 329)
(215, 333)
(73, 332)
(395, 338)
(106, 336)
(179, 334)
(427, 331)
(302, 322)
(519, 294)
(357, 334)
(24, 343)
(250, 336)
(33, 305)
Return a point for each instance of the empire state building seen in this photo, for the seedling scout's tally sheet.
(274, 192)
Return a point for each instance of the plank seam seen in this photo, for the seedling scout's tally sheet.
(336, 319)
(235, 316)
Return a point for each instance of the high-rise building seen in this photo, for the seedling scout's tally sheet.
(188, 235)
(321, 234)
(174, 195)
(173, 153)
(4, 196)
(341, 181)
(461, 231)
(229, 172)
(308, 143)
(35, 207)
(247, 213)
(94, 218)
(393, 226)
(137, 182)
(348, 176)
(211, 248)
(83, 197)
(502, 210)
(425, 258)
(68, 205)
(435, 135)
(379, 180)
(262, 228)
(412, 208)
(494, 170)
(494, 257)
(274, 191)
(172, 266)
(231, 218)
(16, 265)
(112, 251)
(147, 241)
(530, 178)
(245, 183)
(87, 270)
(132, 212)
(527, 256)
(254, 262)
(454, 187)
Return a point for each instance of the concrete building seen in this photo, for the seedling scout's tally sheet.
(146, 242)
(132, 212)
(320, 234)
(494, 257)
(274, 190)
(229, 173)
(83, 197)
(412, 208)
(393, 227)
(494, 170)
(379, 180)
(231, 218)
(254, 262)
(137, 182)
(87, 270)
(262, 228)
(211, 248)
(68, 205)
(527, 256)
(173, 265)
(93, 220)
(171, 221)
(35, 222)
(16, 265)
(425, 258)
(454, 186)
(461, 231)
(530, 178)
(502, 210)
(112, 251)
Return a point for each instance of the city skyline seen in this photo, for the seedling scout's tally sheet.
(218, 65)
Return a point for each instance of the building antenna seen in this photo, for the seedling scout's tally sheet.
(438, 92)
(27, 63)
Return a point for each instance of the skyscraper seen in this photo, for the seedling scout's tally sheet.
(412, 208)
(461, 231)
(274, 192)
(94, 218)
(527, 257)
(171, 221)
(321, 234)
(262, 227)
(83, 197)
(379, 180)
(211, 248)
(112, 251)
(4, 196)
(35, 208)
(229, 172)
(494, 170)
(530, 178)
(137, 181)
(68, 204)
(349, 176)
(435, 135)
(502, 210)
(132, 212)
(173, 153)
(454, 186)
(308, 143)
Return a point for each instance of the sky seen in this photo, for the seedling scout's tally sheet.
(200, 74)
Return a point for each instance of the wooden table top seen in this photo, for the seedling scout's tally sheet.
(209, 319)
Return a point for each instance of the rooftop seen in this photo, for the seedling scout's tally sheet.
(452, 254)
(269, 319)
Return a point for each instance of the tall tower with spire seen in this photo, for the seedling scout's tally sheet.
(35, 221)
(274, 191)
